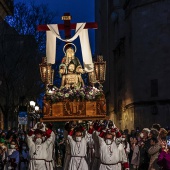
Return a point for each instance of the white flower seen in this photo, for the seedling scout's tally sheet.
(91, 93)
(60, 94)
(66, 95)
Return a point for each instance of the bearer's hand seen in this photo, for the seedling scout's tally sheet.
(35, 126)
(91, 126)
(44, 127)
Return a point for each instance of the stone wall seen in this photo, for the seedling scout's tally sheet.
(137, 44)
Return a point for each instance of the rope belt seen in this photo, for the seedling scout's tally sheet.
(46, 161)
(38, 159)
(78, 156)
(110, 164)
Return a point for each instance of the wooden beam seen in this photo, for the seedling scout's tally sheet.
(72, 118)
(92, 25)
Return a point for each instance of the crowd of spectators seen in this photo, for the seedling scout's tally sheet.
(149, 148)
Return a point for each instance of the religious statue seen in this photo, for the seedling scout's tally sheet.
(70, 69)
(72, 79)
(70, 56)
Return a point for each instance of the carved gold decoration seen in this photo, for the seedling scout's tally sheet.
(74, 110)
(66, 17)
(91, 108)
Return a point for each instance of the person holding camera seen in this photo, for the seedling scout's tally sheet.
(164, 156)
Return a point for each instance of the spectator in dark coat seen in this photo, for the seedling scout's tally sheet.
(144, 147)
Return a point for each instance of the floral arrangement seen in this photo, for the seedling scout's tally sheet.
(87, 93)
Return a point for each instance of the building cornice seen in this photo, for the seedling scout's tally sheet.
(133, 4)
(147, 103)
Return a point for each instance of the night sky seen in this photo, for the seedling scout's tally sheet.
(81, 11)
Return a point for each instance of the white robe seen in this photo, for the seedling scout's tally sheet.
(122, 156)
(109, 155)
(51, 150)
(96, 162)
(39, 154)
(78, 153)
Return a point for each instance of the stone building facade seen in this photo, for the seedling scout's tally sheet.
(6, 8)
(134, 38)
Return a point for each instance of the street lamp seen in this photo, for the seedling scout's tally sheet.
(32, 104)
(34, 111)
(37, 108)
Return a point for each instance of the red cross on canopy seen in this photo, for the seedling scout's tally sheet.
(67, 26)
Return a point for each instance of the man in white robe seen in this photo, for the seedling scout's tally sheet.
(51, 148)
(38, 151)
(78, 146)
(109, 153)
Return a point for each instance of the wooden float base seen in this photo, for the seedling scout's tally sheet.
(74, 110)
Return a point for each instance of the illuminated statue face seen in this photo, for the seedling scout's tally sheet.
(70, 52)
(71, 67)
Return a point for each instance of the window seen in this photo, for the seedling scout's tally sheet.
(154, 88)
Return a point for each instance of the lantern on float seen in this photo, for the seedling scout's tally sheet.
(100, 69)
(99, 73)
(46, 72)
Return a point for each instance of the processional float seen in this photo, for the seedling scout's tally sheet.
(73, 100)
